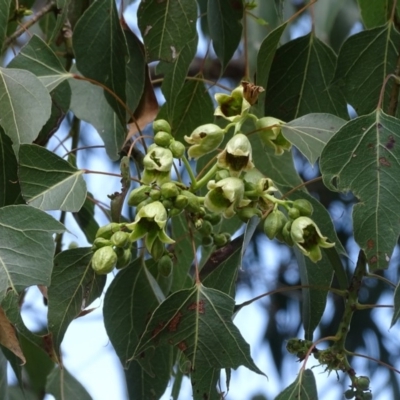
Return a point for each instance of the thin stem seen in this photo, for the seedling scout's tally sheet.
(246, 50)
(204, 180)
(373, 359)
(189, 171)
(301, 185)
(88, 171)
(381, 278)
(74, 150)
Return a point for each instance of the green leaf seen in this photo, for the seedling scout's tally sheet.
(225, 27)
(125, 319)
(396, 304)
(3, 370)
(204, 381)
(4, 15)
(27, 247)
(11, 191)
(311, 132)
(362, 86)
(304, 388)
(85, 219)
(188, 320)
(89, 104)
(62, 385)
(265, 58)
(375, 13)
(74, 286)
(48, 182)
(25, 105)
(364, 157)
(304, 87)
(37, 57)
(166, 27)
(101, 52)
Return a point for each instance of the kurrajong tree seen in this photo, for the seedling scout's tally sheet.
(216, 158)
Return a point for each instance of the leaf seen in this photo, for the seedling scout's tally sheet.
(100, 51)
(375, 13)
(27, 247)
(362, 86)
(8, 337)
(189, 320)
(85, 219)
(303, 388)
(225, 27)
(74, 286)
(166, 27)
(304, 87)
(396, 304)
(3, 369)
(204, 381)
(62, 385)
(25, 105)
(125, 319)
(89, 104)
(37, 57)
(265, 58)
(311, 132)
(4, 15)
(10, 192)
(364, 157)
(48, 182)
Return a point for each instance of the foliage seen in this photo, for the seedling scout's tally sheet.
(193, 173)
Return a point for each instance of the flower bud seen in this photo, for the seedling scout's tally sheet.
(165, 265)
(120, 239)
(220, 239)
(104, 260)
(124, 259)
(271, 135)
(101, 242)
(349, 394)
(181, 202)
(304, 206)
(155, 194)
(163, 139)
(161, 125)
(108, 230)
(156, 249)
(248, 212)
(193, 205)
(169, 190)
(274, 223)
(213, 218)
(206, 228)
(177, 149)
(286, 233)
(207, 241)
(293, 213)
(362, 383)
(138, 195)
(204, 139)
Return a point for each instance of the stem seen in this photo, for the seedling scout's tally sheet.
(88, 171)
(190, 172)
(47, 8)
(204, 180)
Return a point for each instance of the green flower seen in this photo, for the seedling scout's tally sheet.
(150, 222)
(308, 238)
(204, 139)
(271, 134)
(237, 156)
(157, 165)
(232, 107)
(225, 196)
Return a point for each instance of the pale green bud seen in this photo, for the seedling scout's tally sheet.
(165, 265)
(304, 206)
(274, 223)
(138, 195)
(163, 139)
(108, 230)
(169, 190)
(104, 260)
(204, 139)
(120, 239)
(161, 125)
(177, 149)
(124, 259)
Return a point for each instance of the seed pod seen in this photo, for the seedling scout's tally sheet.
(108, 230)
(104, 260)
(124, 259)
(304, 206)
(161, 125)
(177, 149)
(163, 139)
(165, 265)
(120, 239)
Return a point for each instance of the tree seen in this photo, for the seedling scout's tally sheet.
(193, 172)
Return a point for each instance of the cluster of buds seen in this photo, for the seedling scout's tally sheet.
(360, 389)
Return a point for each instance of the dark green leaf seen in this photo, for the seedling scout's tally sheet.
(3, 370)
(204, 381)
(11, 191)
(225, 27)
(25, 105)
(304, 388)
(396, 304)
(86, 221)
(74, 286)
(62, 385)
(17, 394)
(89, 104)
(304, 87)
(166, 27)
(101, 51)
(363, 157)
(15, 364)
(37, 57)
(48, 182)
(4, 15)
(27, 247)
(188, 320)
(362, 86)
(375, 13)
(311, 132)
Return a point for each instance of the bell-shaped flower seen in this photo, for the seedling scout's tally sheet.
(204, 139)
(225, 196)
(150, 221)
(232, 107)
(308, 238)
(237, 156)
(157, 165)
(271, 134)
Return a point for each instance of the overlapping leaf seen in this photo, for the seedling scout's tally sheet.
(48, 182)
(304, 387)
(375, 13)
(311, 132)
(37, 57)
(25, 105)
(3, 376)
(167, 26)
(27, 247)
(189, 320)
(300, 81)
(101, 51)
(8, 337)
(362, 86)
(4, 11)
(225, 27)
(364, 157)
(85, 219)
(74, 285)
